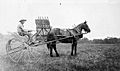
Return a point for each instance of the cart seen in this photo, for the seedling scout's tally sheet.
(18, 49)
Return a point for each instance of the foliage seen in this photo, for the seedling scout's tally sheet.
(108, 40)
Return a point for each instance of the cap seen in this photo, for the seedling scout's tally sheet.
(22, 20)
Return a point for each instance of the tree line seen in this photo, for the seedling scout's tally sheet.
(108, 40)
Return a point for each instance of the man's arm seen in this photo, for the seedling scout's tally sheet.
(21, 29)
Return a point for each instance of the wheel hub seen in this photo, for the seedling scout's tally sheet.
(25, 48)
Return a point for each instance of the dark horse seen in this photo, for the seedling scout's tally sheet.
(75, 34)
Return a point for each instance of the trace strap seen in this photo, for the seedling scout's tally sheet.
(56, 40)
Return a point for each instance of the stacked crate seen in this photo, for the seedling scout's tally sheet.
(42, 26)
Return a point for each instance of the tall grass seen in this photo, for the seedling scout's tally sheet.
(90, 57)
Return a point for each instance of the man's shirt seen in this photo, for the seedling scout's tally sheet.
(20, 28)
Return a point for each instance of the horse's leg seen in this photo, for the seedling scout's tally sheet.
(75, 46)
(51, 52)
(72, 48)
(56, 50)
(48, 46)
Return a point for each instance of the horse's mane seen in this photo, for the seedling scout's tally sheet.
(79, 25)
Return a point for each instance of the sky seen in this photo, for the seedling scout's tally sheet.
(103, 16)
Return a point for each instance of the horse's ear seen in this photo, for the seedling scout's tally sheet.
(85, 22)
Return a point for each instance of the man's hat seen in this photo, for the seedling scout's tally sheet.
(22, 20)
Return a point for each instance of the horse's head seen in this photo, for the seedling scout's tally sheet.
(83, 26)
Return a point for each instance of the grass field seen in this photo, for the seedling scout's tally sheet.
(90, 57)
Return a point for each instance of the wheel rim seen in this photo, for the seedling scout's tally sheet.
(15, 49)
(21, 52)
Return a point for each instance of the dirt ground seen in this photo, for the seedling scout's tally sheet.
(90, 57)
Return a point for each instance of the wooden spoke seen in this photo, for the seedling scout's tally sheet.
(22, 52)
(29, 56)
(16, 56)
(30, 53)
(14, 50)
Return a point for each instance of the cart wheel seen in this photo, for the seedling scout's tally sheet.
(34, 53)
(20, 51)
(14, 49)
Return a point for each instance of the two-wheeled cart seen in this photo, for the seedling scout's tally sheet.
(18, 48)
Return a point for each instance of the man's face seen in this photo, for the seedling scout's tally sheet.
(22, 22)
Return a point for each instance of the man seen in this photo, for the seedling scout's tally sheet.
(21, 31)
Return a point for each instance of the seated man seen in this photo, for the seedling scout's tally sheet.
(21, 31)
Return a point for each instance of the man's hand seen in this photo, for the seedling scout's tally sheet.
(30, 30)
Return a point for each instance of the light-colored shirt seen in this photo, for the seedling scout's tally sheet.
(20, 27)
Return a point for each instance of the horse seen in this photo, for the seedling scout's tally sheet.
(66, 36)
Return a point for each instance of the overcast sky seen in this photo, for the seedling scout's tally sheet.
(103, 16)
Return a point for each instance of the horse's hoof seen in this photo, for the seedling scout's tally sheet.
(51, 55)
(57, 55)
(75, 54)
(71, 54)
